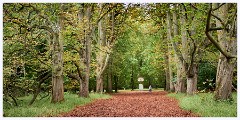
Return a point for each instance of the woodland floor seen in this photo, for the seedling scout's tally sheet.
(132, 104)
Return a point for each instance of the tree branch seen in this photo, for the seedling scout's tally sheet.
(73, 76)
(218, 7)
(207, 13)
(216, 44)
(214, 29)
(78, 70)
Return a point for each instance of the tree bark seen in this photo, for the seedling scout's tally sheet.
(180, 84)
(169, 37)
(86, 52)
(57, 65)
(109, 79)
(132, 81)
(115, 83)
(179, 58)
(192, 81)
(167, 87)
(190, 68)
(102, 55)
(225, 65)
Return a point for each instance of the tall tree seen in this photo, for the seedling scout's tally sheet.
(57, 68)
(169, 34)
(102, 55)
(226, 27)
(85, 13)
(181, 78)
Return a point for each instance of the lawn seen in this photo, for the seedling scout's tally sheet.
(204, 105)
(41, 108)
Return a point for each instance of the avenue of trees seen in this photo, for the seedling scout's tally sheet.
(51, 48)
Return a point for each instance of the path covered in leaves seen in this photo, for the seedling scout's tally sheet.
(132, 104)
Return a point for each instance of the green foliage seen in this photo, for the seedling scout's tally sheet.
(204, 105)
(43, 108)
(139, 52)
(206, 77)
(139, 46)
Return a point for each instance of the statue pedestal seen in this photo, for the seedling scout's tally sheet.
(140, 86)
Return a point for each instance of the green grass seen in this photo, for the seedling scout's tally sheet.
(204, 105)
(41, 108)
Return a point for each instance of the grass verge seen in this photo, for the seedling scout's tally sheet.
(41, 108)
(204, 105)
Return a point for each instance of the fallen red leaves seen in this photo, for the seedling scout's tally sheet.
(133, 104)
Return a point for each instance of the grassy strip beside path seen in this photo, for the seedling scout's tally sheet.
(204, 105)
(43, 107)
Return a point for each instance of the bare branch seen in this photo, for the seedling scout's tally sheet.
(215, 16)
(73, 76)
(214, 29)
(216, 44)
(78, 70)
(218, 7)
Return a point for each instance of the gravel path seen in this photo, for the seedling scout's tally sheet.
(132, 104)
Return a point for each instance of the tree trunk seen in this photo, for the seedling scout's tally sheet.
(57, 66)
(180, 84)
(167, 87)
(84, 83)
(110, 84)
(99, 85)
(84, 89)
(109, 80)
(226, 66)
(132, 81)
(57, 77)
(180, 67)
(192, 81)
(115, 83)
(195, 78)
(224, 79)
(169, 37)
(172, 88)
(102, 55)
(191, 78)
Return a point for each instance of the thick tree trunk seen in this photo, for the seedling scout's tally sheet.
(180, 84)
(195, 78)
(57, 73)
(84, 89)
(224, 79)
(57, 66)
(99, 85)
(225, 66)
(84, 83)
(102, 55)
(191, 78)
(192, 81)
(180, 67)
